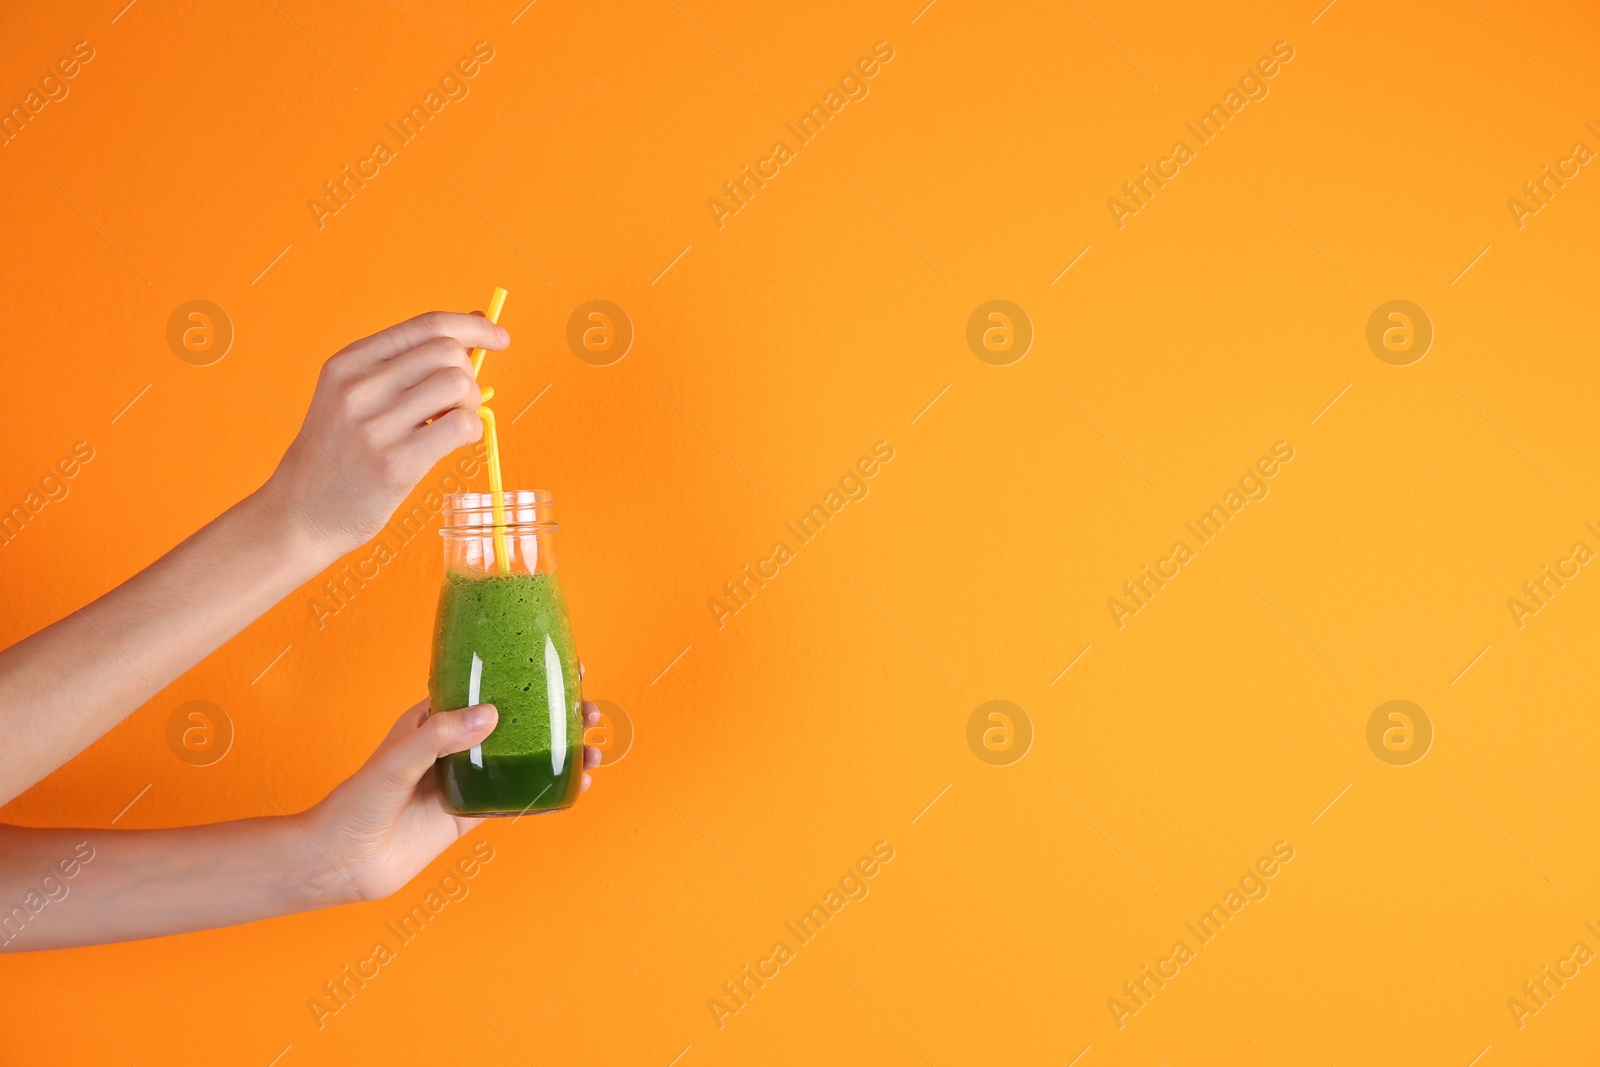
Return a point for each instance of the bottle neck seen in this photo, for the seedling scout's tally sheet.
(518, 538)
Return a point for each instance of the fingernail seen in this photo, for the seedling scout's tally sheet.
(505, 338)
(479, 717)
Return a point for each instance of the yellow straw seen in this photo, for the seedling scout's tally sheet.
(502, 550)
(496, 302)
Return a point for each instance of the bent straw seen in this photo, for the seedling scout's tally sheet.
(502, 549)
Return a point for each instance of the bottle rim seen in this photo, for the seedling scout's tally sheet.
(472, 514)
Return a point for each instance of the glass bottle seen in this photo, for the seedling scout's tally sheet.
(502, 637)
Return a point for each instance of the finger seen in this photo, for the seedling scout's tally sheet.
(445, 388)
(408, 721)
(472, 331)
(374, 392)
(584, 788)
(591, 756)
(591, 713)
(446, 433)
(409, 368)
(403, 764)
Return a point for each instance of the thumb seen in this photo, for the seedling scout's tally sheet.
(402, 765)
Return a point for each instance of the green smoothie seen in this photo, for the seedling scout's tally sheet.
(506, 640)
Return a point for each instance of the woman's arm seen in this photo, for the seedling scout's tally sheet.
(367, 442)
(368, 838)
(67, 888)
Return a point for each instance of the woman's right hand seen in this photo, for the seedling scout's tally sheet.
(385, 410)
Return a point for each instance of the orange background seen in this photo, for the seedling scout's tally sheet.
(827, 714)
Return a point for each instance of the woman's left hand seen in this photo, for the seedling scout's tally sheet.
(386, 822)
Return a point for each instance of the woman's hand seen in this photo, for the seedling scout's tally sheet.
(371, 836)
(368, 439)
(386, 823)
(366, 443)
